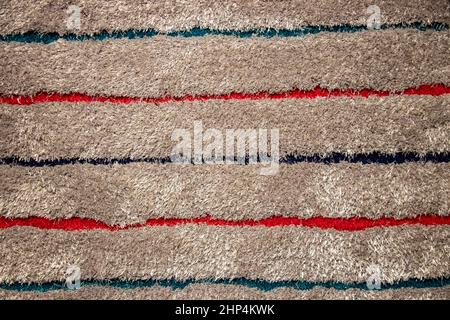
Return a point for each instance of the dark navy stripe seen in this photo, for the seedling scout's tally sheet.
(262, 285)
(38, 37)
(372, 157)
(364, 158)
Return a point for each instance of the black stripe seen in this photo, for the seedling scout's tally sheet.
(335, 157)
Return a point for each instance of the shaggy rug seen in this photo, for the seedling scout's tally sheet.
(350, 101)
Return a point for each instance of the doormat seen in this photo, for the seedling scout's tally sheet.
(224, 149)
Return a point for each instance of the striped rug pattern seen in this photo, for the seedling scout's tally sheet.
(358, 210)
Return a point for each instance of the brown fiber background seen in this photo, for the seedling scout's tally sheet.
(124, 194)
(392, 60)
(229, 292)
(211, 252)
(176, 66)
(167, 15)
(319, 126)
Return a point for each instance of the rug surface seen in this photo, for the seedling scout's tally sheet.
(225, 149)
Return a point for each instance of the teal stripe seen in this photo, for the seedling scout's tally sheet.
(37, 37)
(262, 285)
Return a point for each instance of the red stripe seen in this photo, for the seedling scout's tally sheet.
(347, 224)
(433, 90)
